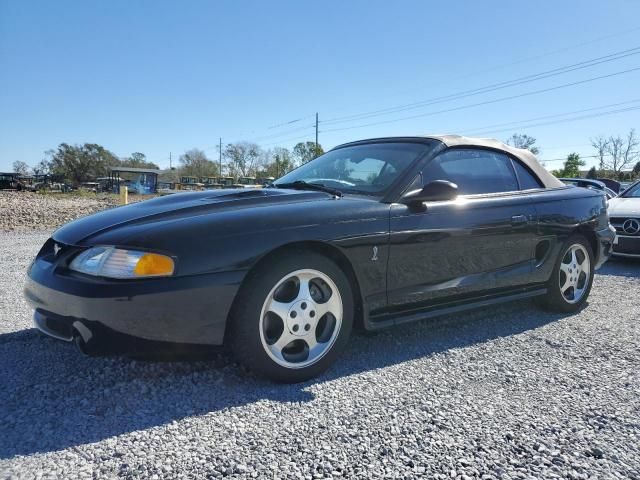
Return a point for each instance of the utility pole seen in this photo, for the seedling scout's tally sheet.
(220, 156)
(170, 166)
(315, 154)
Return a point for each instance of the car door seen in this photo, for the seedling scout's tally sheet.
(482, 241)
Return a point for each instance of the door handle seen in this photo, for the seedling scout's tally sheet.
(519, 220)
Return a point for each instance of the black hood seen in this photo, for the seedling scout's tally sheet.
(179, 206)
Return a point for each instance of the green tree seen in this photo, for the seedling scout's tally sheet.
(521, 140)
(278, 162)
(304, 152)
(137, 160)
(636, 169)
(196, 164)
(80, 163)
(592, 173)
(571, 167)
(20, 167)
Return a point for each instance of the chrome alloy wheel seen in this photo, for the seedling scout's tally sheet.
(301, 318)
(575, 270)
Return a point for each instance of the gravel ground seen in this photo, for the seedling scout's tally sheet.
(508, 393)
(26, 211)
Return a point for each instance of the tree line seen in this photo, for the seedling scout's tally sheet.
(76, 164)
(81, 163)
(246, 159)
(618, 158)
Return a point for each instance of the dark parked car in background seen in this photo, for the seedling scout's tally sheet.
(588, 183)
(10, 181)
(373, 233)
(611, 184)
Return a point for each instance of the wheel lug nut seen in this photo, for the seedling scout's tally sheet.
(295, 328)
(307, 327)
(294, 314)
(303, 305)
(312, 313)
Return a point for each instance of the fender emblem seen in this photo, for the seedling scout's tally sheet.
(56, 249)
(374, 258)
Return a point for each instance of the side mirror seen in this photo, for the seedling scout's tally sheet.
(438, 190)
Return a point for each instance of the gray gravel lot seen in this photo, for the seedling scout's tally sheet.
(508, 392)
(28, 211)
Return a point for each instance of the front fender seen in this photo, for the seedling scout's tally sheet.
(237, 241)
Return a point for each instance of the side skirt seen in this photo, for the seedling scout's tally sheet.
(413, 316)
(626, 255)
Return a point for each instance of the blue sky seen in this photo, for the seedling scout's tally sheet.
(160, 77)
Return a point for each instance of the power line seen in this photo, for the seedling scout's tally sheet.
(564, 159)
(282, 134)
(528, 126)
(290, 122)
(286, 140)
(250, 133)
(486, 89)
(564, 147)
(489, 88)
(516, 124)
(512, 125)
(487, 102)
(584, 64)
(584, 156)
(266, 137)
(528, 59)
(545, 54)
(520, 124)
(601, 114)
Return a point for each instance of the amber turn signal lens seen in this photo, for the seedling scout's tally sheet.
(151, 264)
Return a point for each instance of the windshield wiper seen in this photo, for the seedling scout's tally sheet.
(302, 185)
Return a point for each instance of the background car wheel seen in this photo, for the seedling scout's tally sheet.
(572, 277)
(292, 317)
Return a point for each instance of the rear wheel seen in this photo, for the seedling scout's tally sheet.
(292, 317)
(572, 277)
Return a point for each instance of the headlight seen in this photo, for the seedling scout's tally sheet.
(119, 263)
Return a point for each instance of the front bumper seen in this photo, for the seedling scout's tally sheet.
(627, 246)
(605, 239)
(189, 310)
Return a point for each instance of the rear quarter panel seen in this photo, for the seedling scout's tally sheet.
(562, 212)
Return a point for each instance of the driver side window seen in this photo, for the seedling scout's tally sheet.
(475, 171)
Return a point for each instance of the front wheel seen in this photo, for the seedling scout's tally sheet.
(292, 317)
(572, 277)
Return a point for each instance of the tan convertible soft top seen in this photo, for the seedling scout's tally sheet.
(525, 156)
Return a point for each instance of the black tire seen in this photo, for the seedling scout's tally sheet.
(554, 299)
(244, 326)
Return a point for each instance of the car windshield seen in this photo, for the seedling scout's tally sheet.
(632, 192)
(366, 169)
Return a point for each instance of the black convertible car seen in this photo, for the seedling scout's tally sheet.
(373, 233)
